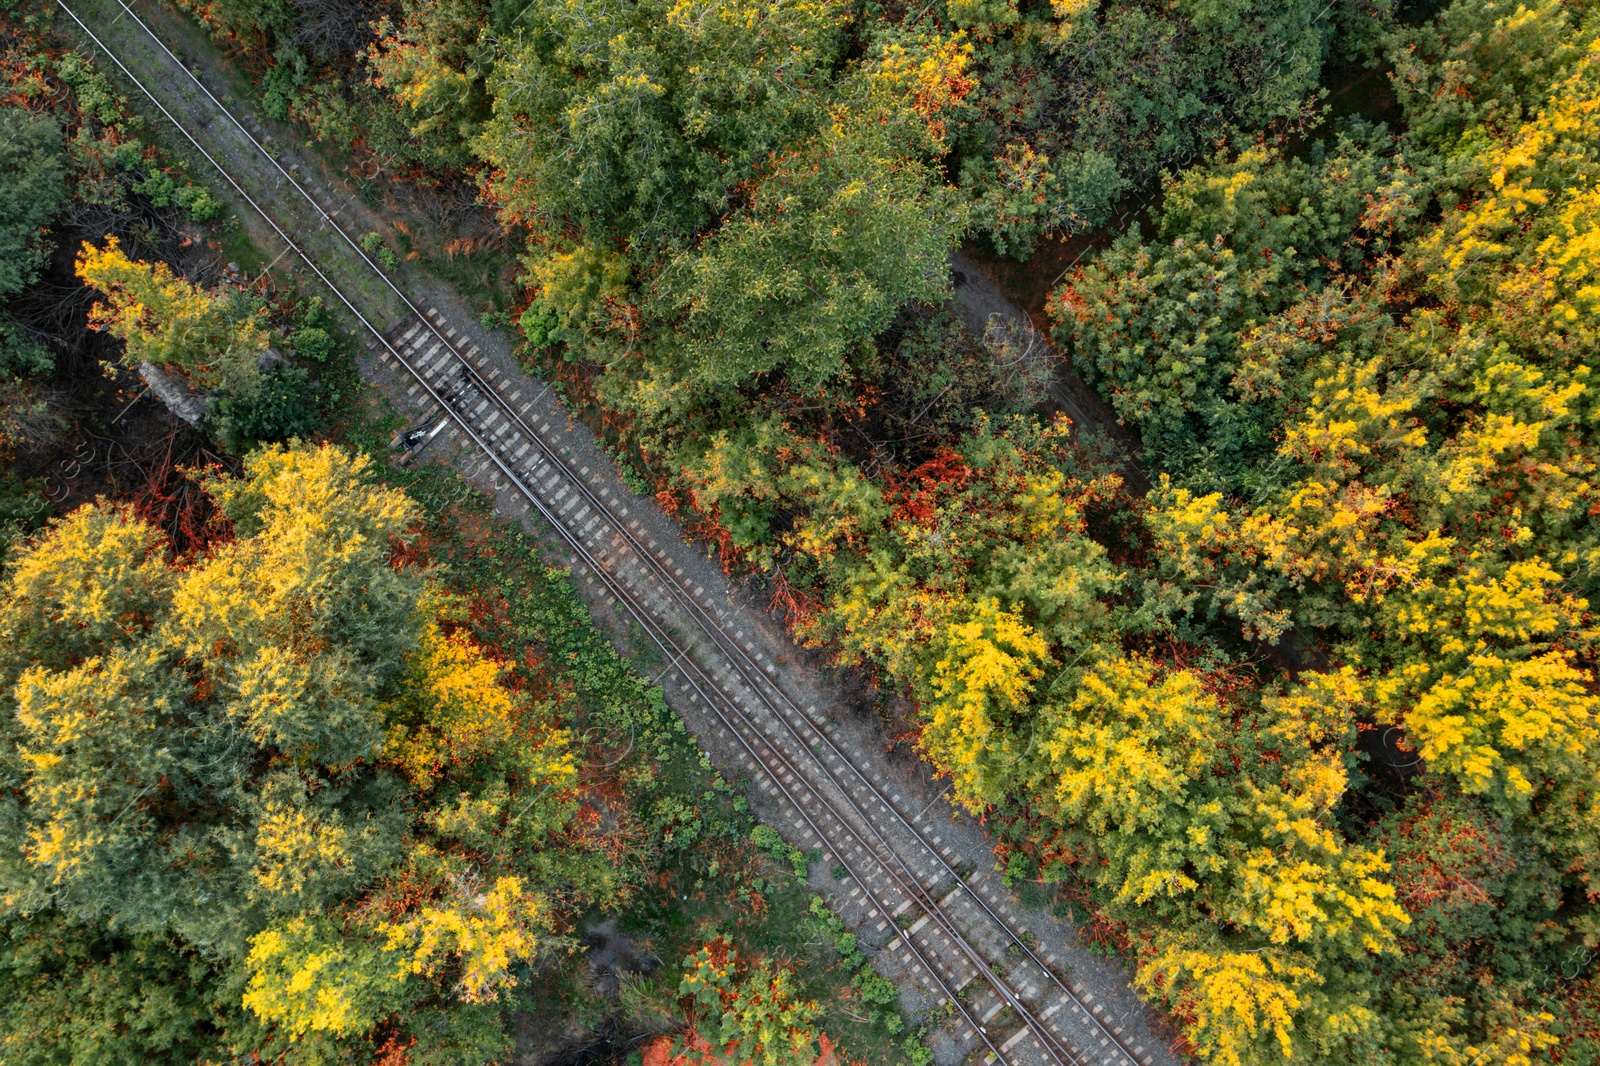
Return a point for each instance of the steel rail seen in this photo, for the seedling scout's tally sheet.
(741, 659)
(639, 611)
(916, 893)
(755, 678)
(748, 670)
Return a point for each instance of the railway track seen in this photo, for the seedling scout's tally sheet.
(953, 932)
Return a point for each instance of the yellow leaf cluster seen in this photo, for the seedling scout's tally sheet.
(481, 932)
(984, 669)
(307, 977)
(1234, 997)
(164, 320)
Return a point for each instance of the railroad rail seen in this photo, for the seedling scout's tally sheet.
(962, 936)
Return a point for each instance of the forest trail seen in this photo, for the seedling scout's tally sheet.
(921, 893)
(980, 303)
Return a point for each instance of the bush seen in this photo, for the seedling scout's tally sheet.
(280, 405)
(314, 344)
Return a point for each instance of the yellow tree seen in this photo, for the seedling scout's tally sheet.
(244, 752)
(163, 319)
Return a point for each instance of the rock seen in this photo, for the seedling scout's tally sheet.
(270, 359)
(233, 268)
(172, 391)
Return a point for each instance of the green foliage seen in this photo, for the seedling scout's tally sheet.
(433, 61)
(838, 239)
(1483, 66)
(1017, 198)
(78, 994)
(100, 812)
(163, 190)
(1078, 103)
(108, 160)
(637, 123)
(1412, 505)
(1360, 371)
(313, 343)
(32, 189)
(281, 404)
(1172, 331)
(767, 838)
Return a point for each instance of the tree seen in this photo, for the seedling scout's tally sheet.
(433, 62)
(1168, 329)
(235, 755)
(1430, 527)
(77, 993)
(840, 236)
(1077, 103)
(634, 125)
(165, 320)
(32, 189)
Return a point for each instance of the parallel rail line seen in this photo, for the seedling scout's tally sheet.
(455, 386)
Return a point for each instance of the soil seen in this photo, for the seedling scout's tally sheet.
(610, 955)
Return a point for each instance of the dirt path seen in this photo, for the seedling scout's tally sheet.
(979, 301)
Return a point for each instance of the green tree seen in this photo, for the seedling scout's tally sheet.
(1078, 103)
(32, 189)
(841, 235)
(634, 125)
(1168, 329)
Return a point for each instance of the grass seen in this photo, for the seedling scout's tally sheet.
(237, 247)
(479, 277)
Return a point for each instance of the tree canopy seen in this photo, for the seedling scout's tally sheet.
(32, 188)
(285, 754)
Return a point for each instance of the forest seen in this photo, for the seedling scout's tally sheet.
(1285, 689)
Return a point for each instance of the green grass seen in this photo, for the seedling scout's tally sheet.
(478, 277)
(237, 247)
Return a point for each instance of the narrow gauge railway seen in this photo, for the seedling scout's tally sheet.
(950, 940)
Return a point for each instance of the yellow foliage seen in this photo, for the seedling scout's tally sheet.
(1194, 534)
(307, 977)
(1541, 183)
(928, 78)
(305, 516)
(98, 709)
(1483, 696)
(1517, 1036)
(574, 283)
(162, 319)
(295, 842)
(984, 668)
(481, 932)
(1234, 997)
(97, 574)
(463, 709)
(1305, 884)
(1140, 760)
